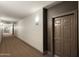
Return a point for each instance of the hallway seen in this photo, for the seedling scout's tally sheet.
(12, 46)
(39, 29)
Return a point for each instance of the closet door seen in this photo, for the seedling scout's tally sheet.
(73, 35)
(57, 37)
(65, 36)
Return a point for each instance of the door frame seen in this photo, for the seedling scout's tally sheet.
(45, 32)
(75, 12)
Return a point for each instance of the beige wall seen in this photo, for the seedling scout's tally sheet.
(28, 31)
(56, 10)
(0, 33)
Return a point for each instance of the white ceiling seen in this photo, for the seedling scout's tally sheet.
(20, 9)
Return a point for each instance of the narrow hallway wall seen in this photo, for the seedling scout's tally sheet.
(0, 32)
(30, 30)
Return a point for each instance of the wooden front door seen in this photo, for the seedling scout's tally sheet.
(65, 35)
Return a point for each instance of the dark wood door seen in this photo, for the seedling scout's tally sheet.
(65, 35)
